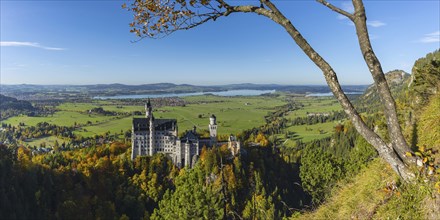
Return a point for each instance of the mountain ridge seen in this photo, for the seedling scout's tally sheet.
(160, 88)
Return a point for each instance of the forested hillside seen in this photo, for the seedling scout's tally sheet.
(376, 192)
(339, 176)
(11, 106)
(102, 182)
(425, 80)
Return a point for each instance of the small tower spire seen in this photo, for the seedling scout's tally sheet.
(213, 129)
(148, 109)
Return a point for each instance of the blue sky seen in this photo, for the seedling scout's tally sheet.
(88, 42)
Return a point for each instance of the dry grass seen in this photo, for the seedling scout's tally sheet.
(360, 198)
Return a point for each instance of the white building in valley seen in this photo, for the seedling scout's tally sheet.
(151, 136)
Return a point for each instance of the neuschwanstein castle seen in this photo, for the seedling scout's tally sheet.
(151, 136)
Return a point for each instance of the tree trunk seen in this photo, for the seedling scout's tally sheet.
(386, 152)
(389, 106)
(394, 153)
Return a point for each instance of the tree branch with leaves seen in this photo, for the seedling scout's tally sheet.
(159, 18)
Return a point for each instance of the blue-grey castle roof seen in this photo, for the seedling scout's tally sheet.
(143, 124)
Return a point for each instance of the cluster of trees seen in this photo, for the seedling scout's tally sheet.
(283, 110)
(256, 185)
(426, 79)
(101, 111)
(317, 118)
(17, 135)
(91, 183)
(21, 133)
(276, 122)
(156, 102)
(162, 19)
(102, 182)
(325, 162)
(11, 107)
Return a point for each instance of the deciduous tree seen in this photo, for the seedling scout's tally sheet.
(158, 18)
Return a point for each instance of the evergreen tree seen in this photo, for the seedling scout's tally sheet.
(195, 197)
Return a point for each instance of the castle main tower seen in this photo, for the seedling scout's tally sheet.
(213, 129)
(149, 115)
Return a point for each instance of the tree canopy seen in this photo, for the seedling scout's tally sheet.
(156, 19)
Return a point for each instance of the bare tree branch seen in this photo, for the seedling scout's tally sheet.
(254, 9)
(386, 152)
(336, 9)
(158, 18)
(398, 141)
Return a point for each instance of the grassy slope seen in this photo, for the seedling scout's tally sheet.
(361, 198)
(375, 193)
(366, 196)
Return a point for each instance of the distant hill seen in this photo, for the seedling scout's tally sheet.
(299, 89)
(413, 91)
(397, 81)
(11, 106)
(12, 103)
(32, 92)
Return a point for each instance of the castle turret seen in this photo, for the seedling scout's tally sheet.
(234, 145)
(148, 109)
(151, 125)
(152, 138)
(213, 129)
(133, 144)
(187, 147)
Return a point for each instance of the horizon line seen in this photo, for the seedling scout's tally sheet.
(177, 84)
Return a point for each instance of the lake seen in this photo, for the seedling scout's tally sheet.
(331, 94)
(241, 92)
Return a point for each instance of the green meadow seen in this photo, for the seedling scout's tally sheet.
(310, 132)
(113, 106)
(49, 141)
(60, 118)
(115, 126)
(234, 114)
(315, 105)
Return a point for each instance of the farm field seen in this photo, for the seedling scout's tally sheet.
(234, 114)
(310, 132)
(49, 141)
(315, 105)
(306, 133)
(106, 105)
(60, 118)
(113, 126)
